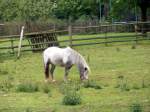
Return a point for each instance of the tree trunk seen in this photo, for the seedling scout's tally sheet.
(144, 18)
(143, 13)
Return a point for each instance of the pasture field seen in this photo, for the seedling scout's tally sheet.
(121, 71)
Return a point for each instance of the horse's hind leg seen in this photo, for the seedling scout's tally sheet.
(47, 72)
(52, 72)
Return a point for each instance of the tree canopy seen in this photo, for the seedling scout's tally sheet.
(34, 10)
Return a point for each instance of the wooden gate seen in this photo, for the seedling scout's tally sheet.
(40, 41)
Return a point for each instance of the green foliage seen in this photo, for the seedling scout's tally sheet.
(122, 83)
(65, 87)
(28, 110)
(46, 89)
(6, 84)
(91, 84)
(143, 84)
(25, 10)
(72, 98)
(27, 87)
(136, 108)
(133, 47)
(70, 90)
(34, 10)
(3, 72)
(135, 86)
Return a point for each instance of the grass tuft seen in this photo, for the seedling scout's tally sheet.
(91, 84)
(73, 86)
(46, 88)
(6, 84)
(135, 86)
(27, 87)
(136, 107)
(72, 98)
(122, 83)
(133, 47)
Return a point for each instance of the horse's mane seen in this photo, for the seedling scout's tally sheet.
(79, 59)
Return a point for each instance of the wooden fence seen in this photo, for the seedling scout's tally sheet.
(69, 37)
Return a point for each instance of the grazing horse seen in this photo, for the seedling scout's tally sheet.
(64, 57)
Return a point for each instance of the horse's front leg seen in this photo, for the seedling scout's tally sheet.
(67, 69)
(52, 72)
(66, 74)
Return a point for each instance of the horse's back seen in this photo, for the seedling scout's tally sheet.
(55, 54)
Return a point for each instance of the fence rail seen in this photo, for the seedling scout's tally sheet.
(9, 42)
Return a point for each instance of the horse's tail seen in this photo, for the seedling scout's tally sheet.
(46, 66)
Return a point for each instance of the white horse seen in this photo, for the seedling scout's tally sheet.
(64, 57)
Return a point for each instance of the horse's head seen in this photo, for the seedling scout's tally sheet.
(83, 72)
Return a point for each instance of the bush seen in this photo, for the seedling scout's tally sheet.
(6, 84)
(27, 87)
(91, 84)
(70, 91)
(136, 108)
(143, 84)
(72, 98)
(135, 86)
(133, 47)
(122, 83)
(28, 110)
(124, 87)
(46, 88)
(69, 86)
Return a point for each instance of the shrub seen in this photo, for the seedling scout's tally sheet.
(71, 95)
(49, 94)
(124, 87)
(117, 49)
(135, 86)
(46, 88)
(136, 107)
(143, 84)
(3, 72)
(133, 47)
(70, 86)
(6, 85)
(120, 77)
(72, 98)
(28, 109)
(122, 83)
(91, 84)
(27, 87)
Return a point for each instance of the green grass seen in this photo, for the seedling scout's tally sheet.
(110, 66)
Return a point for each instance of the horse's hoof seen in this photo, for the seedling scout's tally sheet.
(47, 81)
(53, 80)
(69, 79)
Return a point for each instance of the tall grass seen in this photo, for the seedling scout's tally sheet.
(136, 107)
(27, 87)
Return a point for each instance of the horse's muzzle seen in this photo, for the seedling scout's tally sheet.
(84, 78)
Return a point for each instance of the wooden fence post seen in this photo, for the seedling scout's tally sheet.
(70, 34)
(136, 35)
(106, 36)
(19, 45)
(12, 45)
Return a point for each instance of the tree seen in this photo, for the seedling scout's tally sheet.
(8, 10)
(143, 4)
(125, 8)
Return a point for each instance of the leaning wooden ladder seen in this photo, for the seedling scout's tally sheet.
(40, 41)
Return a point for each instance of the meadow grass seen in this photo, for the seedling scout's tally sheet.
(110, 66)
